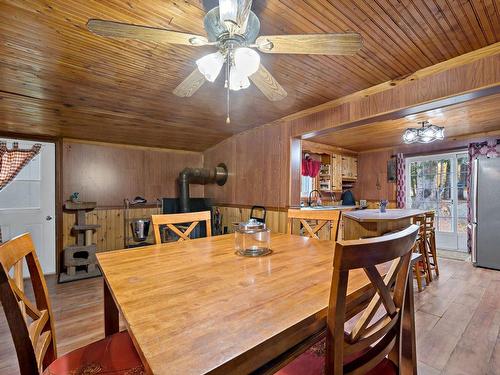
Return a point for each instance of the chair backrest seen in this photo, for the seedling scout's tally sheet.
(321, 216)
(190, 217)
(429, 221)
(368, 341)
(420, 220)
(31, 324)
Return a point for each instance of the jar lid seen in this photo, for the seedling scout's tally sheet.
(251, 226)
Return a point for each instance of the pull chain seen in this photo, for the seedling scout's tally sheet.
(227, 85)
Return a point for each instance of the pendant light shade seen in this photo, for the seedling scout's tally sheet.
(210, 65)
(238, 80)
(246, 60)
(426, 134)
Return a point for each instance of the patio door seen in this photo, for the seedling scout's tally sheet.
(438, 183)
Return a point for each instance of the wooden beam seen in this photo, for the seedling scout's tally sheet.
(323, 148)
(450, 144)
(453, 81)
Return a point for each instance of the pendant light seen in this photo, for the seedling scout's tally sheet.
(427, 133)
(210, 65)
(240, 62)
(246, 60)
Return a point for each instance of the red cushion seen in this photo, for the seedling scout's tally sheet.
(113, 355)
(312, 362)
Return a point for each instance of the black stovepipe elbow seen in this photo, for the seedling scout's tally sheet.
(200, 176)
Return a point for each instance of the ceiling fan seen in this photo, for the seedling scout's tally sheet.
(234, 30)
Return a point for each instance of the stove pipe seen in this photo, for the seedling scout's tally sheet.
(200, 176)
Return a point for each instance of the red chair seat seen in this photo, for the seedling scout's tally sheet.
(312, 362)
(114, 355)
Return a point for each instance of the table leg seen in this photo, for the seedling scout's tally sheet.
(408, 364)
(111, 315)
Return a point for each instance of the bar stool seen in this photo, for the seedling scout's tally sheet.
(430, 239)
(421, 268)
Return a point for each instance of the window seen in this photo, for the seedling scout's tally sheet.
(24, 191)
(306, 185)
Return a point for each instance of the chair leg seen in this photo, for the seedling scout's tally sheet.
(432, 253)
(432, 247)
(425, 255)
(418, 276)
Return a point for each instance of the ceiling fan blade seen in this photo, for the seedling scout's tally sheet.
(266, 83)
(311, 44)
(236, 12)
(144, 33)
(190, 85)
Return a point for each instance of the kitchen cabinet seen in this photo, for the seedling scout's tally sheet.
(325, 173)
(349, 168)
(336, 168)
(330, 176)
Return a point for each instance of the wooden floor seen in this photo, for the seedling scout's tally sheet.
(458, 321)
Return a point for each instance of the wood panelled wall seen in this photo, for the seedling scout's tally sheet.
(258, 161)
(372, 181)
(108, 173)
(275, 219)
(110, 236)
(261, 174)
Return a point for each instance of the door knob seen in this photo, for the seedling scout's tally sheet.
(48, 218)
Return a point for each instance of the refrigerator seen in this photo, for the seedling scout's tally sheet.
(485, 205)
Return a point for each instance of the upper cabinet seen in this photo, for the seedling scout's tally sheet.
(335, 167)
(336, 172)
(349, 168)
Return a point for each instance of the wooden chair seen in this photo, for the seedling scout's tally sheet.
(32, 324)
(191, 217)
(372, 345)
(430, 239)
(321, 216)
(421, 269)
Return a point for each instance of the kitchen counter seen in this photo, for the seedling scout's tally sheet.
(374, 215)
(373, 223)
(326, 208)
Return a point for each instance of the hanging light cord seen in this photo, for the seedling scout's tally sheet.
(227, 85)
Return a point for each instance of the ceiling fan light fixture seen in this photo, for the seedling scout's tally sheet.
(228, 10)
(246, 60)
(238, 80)
(197, 41)
(210, 65)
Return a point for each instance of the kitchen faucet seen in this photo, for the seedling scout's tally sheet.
(309, 201)
(333, 197)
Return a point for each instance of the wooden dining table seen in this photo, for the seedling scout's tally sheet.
(195, 307)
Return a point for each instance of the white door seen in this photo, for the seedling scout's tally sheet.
(438, 182)
(27, 204)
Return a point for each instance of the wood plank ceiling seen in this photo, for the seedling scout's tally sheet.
(58, 79)
(475, 116)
